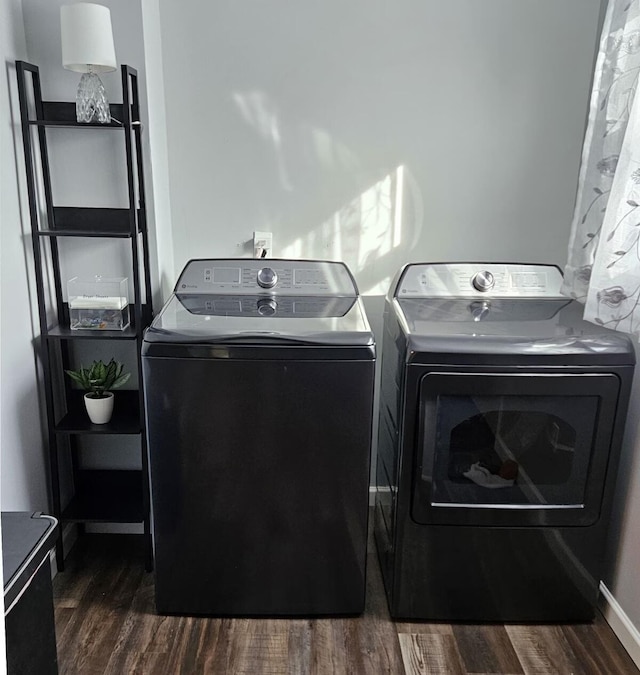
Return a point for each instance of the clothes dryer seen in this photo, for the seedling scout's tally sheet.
(502, 414)
(258, 382)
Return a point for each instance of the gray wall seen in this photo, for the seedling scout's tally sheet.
(288, 117)
(23, 460)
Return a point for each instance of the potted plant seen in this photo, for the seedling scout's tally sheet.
(98, 380)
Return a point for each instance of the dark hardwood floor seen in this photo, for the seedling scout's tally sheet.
(106, 623)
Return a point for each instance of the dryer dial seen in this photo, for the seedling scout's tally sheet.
(483, 281)
(267, 277)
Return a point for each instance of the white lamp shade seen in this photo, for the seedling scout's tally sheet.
(87, 38)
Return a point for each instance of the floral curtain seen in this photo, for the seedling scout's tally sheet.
(603, 268)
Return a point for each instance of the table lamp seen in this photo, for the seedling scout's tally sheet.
(87, 47)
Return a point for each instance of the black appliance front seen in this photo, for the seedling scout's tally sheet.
(498, 500)
(499, 438)
(259, 461)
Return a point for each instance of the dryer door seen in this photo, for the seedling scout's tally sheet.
(513, 449)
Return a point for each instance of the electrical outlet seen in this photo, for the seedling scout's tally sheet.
(262, 244)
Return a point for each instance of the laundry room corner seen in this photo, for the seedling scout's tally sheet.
(417, 134)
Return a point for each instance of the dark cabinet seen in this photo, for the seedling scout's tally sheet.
(27, 540)
(80, 493)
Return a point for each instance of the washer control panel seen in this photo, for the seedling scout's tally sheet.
(460, 280)
(238, 276)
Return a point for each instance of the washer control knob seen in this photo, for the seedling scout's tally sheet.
(479, 309)
(267, 277)
(483, 281)
(267, 307)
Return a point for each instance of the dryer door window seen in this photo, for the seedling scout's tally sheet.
(513, 449)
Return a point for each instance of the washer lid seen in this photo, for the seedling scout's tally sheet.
(271, 301)
(254, 319)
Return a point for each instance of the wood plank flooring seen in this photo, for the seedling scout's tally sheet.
(106, 625)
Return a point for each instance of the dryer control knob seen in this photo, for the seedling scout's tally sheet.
(483, 281)
(267, 307)
(267, 277)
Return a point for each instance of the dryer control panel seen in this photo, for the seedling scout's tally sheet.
(272, 276)
(486, 280)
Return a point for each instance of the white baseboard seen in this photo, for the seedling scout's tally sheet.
(620, 623)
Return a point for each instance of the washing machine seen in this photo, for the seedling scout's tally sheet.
(501, 419)
(258, 384)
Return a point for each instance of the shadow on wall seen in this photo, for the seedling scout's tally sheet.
(371, 232)
(299, 125)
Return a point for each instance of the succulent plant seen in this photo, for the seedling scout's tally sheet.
(99, 378)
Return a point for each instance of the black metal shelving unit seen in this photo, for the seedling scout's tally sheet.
(100, 495)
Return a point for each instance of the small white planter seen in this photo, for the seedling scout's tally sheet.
(99, 409)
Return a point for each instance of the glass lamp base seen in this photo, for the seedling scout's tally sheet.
(91, 100)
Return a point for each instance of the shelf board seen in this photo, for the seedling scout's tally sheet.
(125, 419)
(106, 496)
(75, 221)
(63, 114)
(62, 333)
